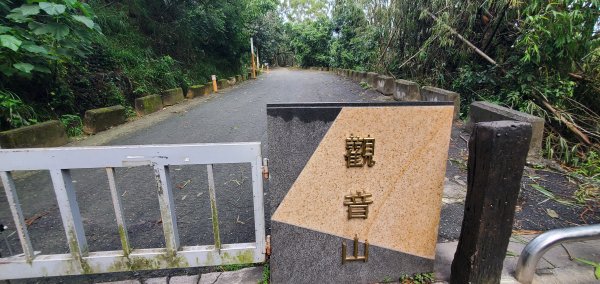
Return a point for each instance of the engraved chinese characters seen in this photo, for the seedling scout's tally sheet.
(355, 256)
(358, 205)
(359, 152)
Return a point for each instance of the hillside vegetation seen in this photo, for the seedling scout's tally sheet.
(538, 56)
(59, 58)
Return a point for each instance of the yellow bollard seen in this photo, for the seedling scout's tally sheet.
(214, 80)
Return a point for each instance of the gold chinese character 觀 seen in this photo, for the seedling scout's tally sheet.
(359, 151)
(358, 204)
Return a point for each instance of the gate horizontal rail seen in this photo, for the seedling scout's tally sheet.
(59, 162)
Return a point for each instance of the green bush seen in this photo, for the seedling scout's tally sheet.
(14, 113)
(72, 124)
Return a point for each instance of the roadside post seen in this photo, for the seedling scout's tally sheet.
(214, 81)
(497, 154)
(252, 58)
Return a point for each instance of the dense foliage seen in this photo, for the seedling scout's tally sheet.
(59, 58)
(543, 56)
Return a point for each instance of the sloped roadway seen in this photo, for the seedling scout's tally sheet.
(237, 114)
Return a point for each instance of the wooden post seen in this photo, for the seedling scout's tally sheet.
(497, 154)
(252, 58)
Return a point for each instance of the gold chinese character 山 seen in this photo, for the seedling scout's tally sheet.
(359, 151)
(355, 256)
(358, 205)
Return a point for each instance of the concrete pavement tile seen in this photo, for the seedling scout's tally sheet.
(158, 280)
(444, 254)
(589, 250)
(572, 275)
(210, 278)
(185, 279)
(251, 275)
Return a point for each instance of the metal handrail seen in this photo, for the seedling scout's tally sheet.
(535, 249)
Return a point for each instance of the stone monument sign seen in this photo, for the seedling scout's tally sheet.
(355, 190)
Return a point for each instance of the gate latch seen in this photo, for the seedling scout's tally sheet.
(265, 168)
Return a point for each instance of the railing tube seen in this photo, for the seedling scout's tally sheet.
(535, 249)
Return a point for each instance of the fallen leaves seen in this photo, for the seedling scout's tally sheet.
(552, 213)
(29, 221)
(182, 185)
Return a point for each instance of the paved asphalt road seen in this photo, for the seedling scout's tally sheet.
(236, 115)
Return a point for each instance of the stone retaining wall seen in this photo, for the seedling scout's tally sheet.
(406, 91)
(385, 85)
(199, 91)
(100, 119)
(148, 104)
(46, 134)
(172, 96)
(485, 111)
(372, 79)
(433, 94)
(222, 84)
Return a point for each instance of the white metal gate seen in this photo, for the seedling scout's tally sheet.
(59, 162)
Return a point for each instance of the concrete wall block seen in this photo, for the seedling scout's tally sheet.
(148, 104)
(207, 89)
(433, 94)
(485, 111)
(407, 91)
(100, 119)
(372, 79)
(361, 77)
(222, 84)
(385, 85)
(196, 91)
(231, 81)
(172, 96)
(46, 134)
(354, 75)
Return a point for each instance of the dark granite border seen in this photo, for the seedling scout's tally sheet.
(301, 255)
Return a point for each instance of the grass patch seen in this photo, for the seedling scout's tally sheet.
(72, 124)
(266, 274)
(234, 267)
(419, 278)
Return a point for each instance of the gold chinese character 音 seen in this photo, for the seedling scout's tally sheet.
(358, 204)
(359, 151)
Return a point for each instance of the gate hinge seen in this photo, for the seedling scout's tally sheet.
(268, 245)
(265, 168)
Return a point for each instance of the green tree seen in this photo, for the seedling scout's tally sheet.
(37, 36)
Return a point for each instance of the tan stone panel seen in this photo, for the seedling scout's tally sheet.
(411, 150)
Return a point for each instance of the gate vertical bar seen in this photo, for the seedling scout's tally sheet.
(213, 207)
(15, 209)
(259, 209)
(69, 212)
(167, 207)
(119, 214)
